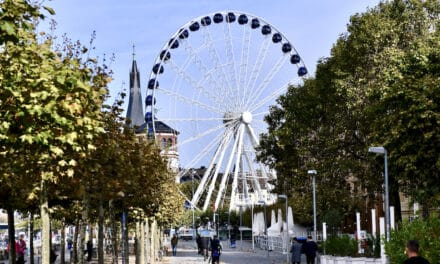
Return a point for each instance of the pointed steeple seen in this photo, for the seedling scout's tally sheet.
(135, 111)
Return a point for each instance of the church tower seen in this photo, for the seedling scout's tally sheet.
(135, 110)
(166, 136)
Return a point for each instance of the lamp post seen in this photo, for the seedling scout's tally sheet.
(252, 225)
(382, 150)
(192, 205)
(284, 196)
(313, 172)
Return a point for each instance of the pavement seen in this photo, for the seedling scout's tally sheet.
(242, 254)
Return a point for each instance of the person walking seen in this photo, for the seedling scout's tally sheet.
(21, 249)
(89, 248)
(174, 242)
(310, 248)
(216, 248)
(296, 251)
(412, 252)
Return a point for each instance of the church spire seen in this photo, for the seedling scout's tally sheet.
(135, 111)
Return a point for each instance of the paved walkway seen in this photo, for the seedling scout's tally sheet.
(242, 254)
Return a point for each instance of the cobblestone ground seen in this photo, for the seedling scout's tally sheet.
(242, 254)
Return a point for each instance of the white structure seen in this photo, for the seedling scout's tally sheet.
(213, 81)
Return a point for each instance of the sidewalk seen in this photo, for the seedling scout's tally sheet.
(243, 254)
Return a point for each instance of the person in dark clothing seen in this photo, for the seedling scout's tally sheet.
(412, 251)
(205, 246)
(296, 251)
(310, 248)
(199, 244)
(89, 250)
(215, 250)
(53, 255)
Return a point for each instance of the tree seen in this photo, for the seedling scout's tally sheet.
(378, 87)
(50, 104)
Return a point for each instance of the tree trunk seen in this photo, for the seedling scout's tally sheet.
(82, 234)
(63, 243)
(101, 232)
(395, 199)
(75, 244)
(148, 241)
(113, 237)
(137, 244)
(11, 234)
(45, 224)
(142, 242)
(31, 238)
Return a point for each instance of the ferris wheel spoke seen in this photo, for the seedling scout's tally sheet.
(260, 113)
(209, 147)
(244, 61)
(231, 60)
(195, 119)
(256, 69)
(256, 93)
(226, 89)
(217, 169)
(184, 74)
(268, 99)
(191, 101)
(211, 75)
(192, 81)
(201, 135)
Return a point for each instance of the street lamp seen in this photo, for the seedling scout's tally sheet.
(382, 150)
(313, 172)
(284, 196)
(265, 226)
(192, 205)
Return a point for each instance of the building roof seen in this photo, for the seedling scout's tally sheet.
(160, 127)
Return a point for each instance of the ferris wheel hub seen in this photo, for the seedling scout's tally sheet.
(246, 117)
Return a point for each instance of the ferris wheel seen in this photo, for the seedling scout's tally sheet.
(212, 84)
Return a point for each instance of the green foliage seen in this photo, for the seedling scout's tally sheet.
(426, 232)
(379, 87)
(341, 246)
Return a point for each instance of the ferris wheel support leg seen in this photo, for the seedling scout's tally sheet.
(256, 144)
(255, 184)
(237, 166)
(226, 175)
(202, 184)
(223, 147)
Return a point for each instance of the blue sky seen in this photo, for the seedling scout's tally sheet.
(312, 25)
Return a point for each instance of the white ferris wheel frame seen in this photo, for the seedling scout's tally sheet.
(235, 125)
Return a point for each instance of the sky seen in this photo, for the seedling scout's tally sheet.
(312, 26)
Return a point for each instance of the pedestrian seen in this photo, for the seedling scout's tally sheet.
(21, 249)
(296, 251)
(412, 252)
(89, 250)
(174, 241)
(53, 255)
(216, 248)
(199, 243)
(310, 248)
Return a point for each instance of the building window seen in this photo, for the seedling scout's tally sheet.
(170, 143)
(163, 143)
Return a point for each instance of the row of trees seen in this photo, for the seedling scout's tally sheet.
(379, 87)
(64, 154)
